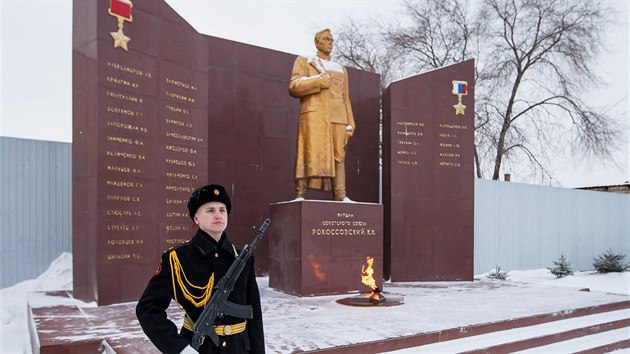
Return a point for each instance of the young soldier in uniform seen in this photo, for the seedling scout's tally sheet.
(188, 273)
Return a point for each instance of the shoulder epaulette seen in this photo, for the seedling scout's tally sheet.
(176, 247)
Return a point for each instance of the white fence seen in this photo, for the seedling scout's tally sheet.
(522, 226)
(35, 206)
(517, 226)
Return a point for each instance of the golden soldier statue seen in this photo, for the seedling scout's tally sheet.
(326, 123)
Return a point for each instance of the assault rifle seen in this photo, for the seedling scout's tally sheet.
(218, 306)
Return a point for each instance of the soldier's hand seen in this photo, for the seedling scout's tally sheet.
(325, 81)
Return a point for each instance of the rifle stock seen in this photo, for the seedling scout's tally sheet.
(218, 306)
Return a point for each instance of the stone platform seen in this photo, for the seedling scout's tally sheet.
(74, 328)
(431, 312)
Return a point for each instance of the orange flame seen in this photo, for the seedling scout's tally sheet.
(367, 277)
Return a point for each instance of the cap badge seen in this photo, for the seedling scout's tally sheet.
(216, 192)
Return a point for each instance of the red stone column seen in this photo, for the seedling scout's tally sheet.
(428, 175)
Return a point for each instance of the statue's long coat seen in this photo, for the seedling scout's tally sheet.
(314, 155)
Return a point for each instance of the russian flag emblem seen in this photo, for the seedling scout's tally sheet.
(460, 88)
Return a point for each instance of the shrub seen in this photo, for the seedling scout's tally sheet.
(497, 273)
(610, 262)
(562, 267)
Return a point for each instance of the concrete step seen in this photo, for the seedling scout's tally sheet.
(534, 336)
(602, 342)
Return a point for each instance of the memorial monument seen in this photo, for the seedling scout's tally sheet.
(318, 247)
(159, 109)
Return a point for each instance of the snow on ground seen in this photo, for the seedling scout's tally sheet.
(616, 283)
(14, 337)
(426, 306)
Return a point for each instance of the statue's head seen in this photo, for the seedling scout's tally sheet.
(324, 41)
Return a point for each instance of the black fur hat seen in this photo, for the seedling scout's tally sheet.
(205, 194)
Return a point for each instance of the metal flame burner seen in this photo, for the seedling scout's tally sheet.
(375, 298)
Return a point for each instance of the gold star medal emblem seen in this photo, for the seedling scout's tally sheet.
(121, 9)
(460, 88)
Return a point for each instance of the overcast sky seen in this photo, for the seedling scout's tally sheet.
(36, 65)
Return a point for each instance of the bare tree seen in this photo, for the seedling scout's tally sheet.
(396, 50)
(535, 61)
(357, 48)
(547, 51)
(428, 40)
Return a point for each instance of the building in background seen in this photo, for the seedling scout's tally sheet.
(617, 188)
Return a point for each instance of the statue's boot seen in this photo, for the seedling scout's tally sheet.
(339, 182)
(300, 188)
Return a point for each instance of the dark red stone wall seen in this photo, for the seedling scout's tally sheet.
(428, 177)
(178, 110)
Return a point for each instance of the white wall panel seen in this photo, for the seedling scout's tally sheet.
(521, 226)
(35, 206)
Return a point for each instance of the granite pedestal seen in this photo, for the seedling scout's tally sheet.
(320, 247)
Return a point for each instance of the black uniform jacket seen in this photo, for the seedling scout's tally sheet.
(199, 259)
